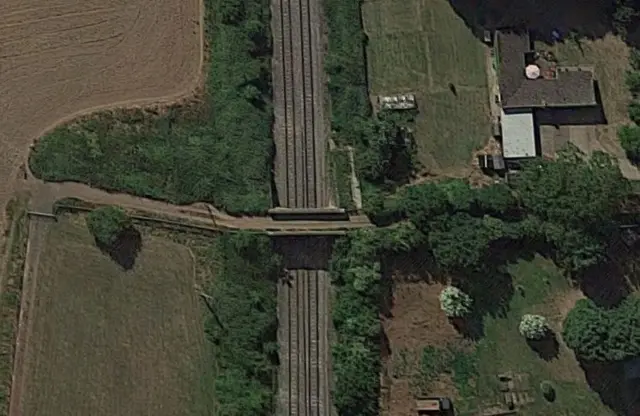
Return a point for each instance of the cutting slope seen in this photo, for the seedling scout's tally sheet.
(63, 57)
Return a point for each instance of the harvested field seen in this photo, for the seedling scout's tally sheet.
(424, 47)
(102, 341)
(298, 97)
(60, 58)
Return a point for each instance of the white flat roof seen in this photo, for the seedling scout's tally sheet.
(518, 134)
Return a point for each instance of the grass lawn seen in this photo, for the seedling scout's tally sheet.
(467, 370)
(422, 46)
(541, 289)
(109, 342)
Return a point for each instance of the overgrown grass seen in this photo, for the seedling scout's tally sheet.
(242, 325)
(10, 298)
(341, 175)
(219, 151)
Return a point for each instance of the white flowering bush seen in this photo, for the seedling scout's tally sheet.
(454, 302)
(533, 326)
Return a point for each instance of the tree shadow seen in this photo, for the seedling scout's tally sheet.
(541, 16)
(604, 284)
(607, 380)
(491, 292)
(547, 348)
(125, 249)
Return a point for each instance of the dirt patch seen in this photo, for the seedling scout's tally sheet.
(62, 58)
(414, 322)
(417, 320)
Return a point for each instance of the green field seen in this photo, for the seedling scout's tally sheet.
(106, 341)
(422, 46)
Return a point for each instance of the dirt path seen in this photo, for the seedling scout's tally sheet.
(63, 58)
(45, 194)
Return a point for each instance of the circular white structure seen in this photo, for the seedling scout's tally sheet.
(532, 71)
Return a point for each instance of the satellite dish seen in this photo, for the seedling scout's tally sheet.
(532, 71)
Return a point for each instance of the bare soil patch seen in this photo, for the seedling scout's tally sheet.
(61, 58)
(103, 341)
(414, 321)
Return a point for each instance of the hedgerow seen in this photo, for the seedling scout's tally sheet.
(243, 324)
(219, 152)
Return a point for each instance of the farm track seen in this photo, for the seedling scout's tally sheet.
(298, 87)
(303, 315)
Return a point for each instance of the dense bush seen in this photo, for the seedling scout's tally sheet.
(107, 223)
(384, 146)
(629, 135)
(220, 152)
(356, 352)
(598, 334)
(243, 324)
(548, 391)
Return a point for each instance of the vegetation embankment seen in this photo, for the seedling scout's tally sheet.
(10, 298)
(242, 326)
(355, 272)
(384, 153)
(563, 208)
(218, 150)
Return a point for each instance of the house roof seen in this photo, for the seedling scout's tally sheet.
(518, 134)
(571, 88)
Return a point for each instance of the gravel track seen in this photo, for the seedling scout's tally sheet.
(298, 104)
(304, 348)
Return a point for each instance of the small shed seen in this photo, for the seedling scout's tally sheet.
(491, 163)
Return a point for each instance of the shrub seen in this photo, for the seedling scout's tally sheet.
(107, 223)
(630, 141)
(598, 334)
(454, 302)
(533, 327)
(548, 391)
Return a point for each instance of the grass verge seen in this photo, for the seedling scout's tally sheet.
(10, 298)
(341, 176)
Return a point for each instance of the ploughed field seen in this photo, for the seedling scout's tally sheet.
(104, 341)
(298, 98)
(59, 58)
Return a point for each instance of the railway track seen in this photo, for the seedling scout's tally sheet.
(299, 130)
(304, 350)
